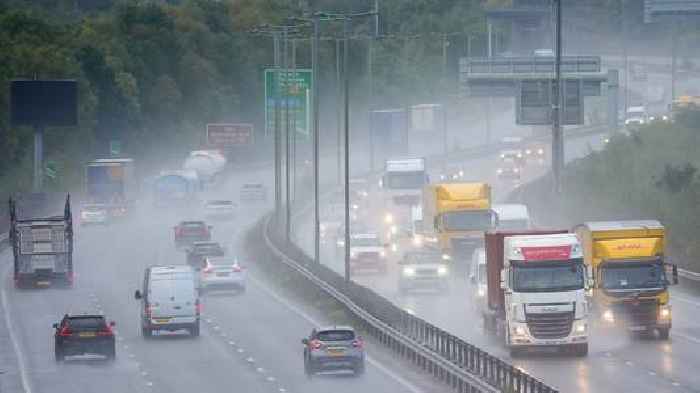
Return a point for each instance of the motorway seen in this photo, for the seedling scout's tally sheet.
(249, 342)
(615, 363)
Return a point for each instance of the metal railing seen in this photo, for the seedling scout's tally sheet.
(462, 366)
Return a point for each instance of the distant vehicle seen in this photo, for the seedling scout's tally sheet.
(636, 116)
(176, 188)
(42, 248)
(515, 155)
(477, 277)
(222, 273)
(512, 216)
(424, 268)
(536, 152)
(252, 192)
(84, 335)
(188, 232)
(543, 53)
(93, 214)
(333, 348)
(219, 209)
(111, 182)
(208, 164)
(509, 169)
(169, 300)
(197, 252)
(367, 252)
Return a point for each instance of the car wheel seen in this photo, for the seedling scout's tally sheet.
(146, 332)
(194, 331)
(58, 354)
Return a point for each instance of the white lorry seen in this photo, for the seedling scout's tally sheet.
(536, 286)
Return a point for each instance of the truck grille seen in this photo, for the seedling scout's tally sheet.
(406, 199)
(640, 313)
(368, 255)
(550, 325)
(426, 272)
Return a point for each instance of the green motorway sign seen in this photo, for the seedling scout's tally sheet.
(291, 90)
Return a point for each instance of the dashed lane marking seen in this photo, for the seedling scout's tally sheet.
(26, 386)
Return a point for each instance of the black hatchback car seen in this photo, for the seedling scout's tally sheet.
(84, 335)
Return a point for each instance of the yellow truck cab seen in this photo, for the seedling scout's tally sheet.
(630, 273)
(456, 216)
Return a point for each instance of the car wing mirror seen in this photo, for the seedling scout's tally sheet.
(137, 295)
(55, 326)
(305, 341)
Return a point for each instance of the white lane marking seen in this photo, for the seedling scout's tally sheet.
(683, 299)
(686, 337)
(408, 385)
(26, 386)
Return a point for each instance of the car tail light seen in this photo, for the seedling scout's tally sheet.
(198, 307)
(315, 344)
(107, 331)
(358, 343)
(207, 269)
(237, 268)
(65, 331)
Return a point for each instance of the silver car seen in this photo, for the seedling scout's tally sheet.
(222, 273)
(219, 209)
(333, 348)
(424, 269)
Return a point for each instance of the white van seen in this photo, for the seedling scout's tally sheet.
(170, 300)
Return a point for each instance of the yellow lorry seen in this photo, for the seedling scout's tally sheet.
(630, 274)
(456, 216)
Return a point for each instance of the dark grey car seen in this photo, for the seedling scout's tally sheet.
(333, 348)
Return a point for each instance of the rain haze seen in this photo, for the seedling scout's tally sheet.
(314, 196)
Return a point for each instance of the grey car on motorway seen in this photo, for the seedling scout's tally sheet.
(333, 348)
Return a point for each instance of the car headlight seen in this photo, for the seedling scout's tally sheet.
(442, 270)
(520, 155)
(355, 207)
(382, 254)
(446, 257)
(394, 247)
(652, 118)
(664, 117)
(499, 171)
(519, 331)
(665, 312)
(409, 271)
(340, 243)
(417, 241)
(388, 218)
(540, 151)
(480, 292)
(516, 170)
(394, 229)
(503, 156)
(461, 173)
(606, 140)
(528, 152)
(442, 177)
(608, 316)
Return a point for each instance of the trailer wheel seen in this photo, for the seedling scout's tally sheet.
(664, 333)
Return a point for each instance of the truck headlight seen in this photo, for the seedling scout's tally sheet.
(417, 241)
(499, 171)
(394, 230)
(461, 173)
(665, 312)
(608, 316)
(388, 218)
(540, 151)
(528, 152)
(581, 328)
(446, 257)
(409, 271)
(664, 117)
(480, 292)
(394, 247)
(520, 155)
(442, 271)
(382, 254)
(355, 207)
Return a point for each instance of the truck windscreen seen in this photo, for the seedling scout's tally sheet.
(467, 221)
(633, 276)
(405, 180)
(549, 276)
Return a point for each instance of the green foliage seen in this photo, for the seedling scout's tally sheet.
(651, 174)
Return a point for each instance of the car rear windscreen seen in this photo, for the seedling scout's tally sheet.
(86, 323)
(336, 335)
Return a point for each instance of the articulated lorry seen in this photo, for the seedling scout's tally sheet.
(536, 290)
(631, 281)
(42, 248)
(111, 182)
(178, 188)
(456, 216)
